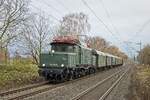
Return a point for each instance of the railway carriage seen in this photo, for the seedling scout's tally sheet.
(69, 59)
(100, 59)
(113, 60)
(108, 60)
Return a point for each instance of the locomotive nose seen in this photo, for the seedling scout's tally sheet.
(54, 60)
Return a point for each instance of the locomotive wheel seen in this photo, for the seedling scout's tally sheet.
(76, 75)
(71, 75)
(68, 77)
(60, 78)
(92, 70)
(47, 77)
(83, 72)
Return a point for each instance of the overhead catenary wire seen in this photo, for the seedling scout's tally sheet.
(129, 47)
(100, 20)
(62, 4)
(109, 17)
(136, 34)
(141, 29)
(111, 22)
(51, 6)
(53, 17)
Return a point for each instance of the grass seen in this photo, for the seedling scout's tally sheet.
(17, 74)
(141, 82)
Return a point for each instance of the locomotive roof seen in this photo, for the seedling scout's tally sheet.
(66, 40)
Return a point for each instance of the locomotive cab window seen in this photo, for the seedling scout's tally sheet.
(63, 47)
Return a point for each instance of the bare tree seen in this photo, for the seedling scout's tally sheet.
(36, 36)
(97, 43)
(144, 55)
(12, 15)
(74, 24)
(115, 51)
(101, 44)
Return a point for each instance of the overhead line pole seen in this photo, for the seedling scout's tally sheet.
(139, 44)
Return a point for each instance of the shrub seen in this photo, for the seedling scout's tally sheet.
(141, 82)
(17, 74)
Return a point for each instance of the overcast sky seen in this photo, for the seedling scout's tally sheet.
(127, 16)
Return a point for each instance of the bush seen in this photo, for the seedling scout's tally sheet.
(144, 55)
(17, 74)
(141, 82)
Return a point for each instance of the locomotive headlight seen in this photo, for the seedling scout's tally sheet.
(43, 65)
(62, 65)
(53, 51)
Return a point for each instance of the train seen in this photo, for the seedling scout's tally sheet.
(69, 59)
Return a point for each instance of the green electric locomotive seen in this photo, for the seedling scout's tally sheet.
(69, 59)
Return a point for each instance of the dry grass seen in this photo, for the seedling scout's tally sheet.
(17, 74)
(141, 83)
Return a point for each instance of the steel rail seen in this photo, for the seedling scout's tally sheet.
(94, 86)
(22, 96)
(29, 94)
(51, 88)
(4, 93)
(104, 96)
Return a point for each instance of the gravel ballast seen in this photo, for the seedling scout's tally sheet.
(122, 90)
(68, 91)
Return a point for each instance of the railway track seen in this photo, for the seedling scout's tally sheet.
(4, 93)
(22, 93)
(89, 93)
(104, 96)
(12, 92)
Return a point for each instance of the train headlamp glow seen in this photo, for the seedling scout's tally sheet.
(53, 51)
(43, 65)
(62, 65)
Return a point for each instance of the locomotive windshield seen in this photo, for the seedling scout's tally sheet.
(63, 47)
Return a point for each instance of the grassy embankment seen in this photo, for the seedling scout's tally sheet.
(16, 75)
(141, 83)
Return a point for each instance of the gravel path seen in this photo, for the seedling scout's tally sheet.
(70, 90)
